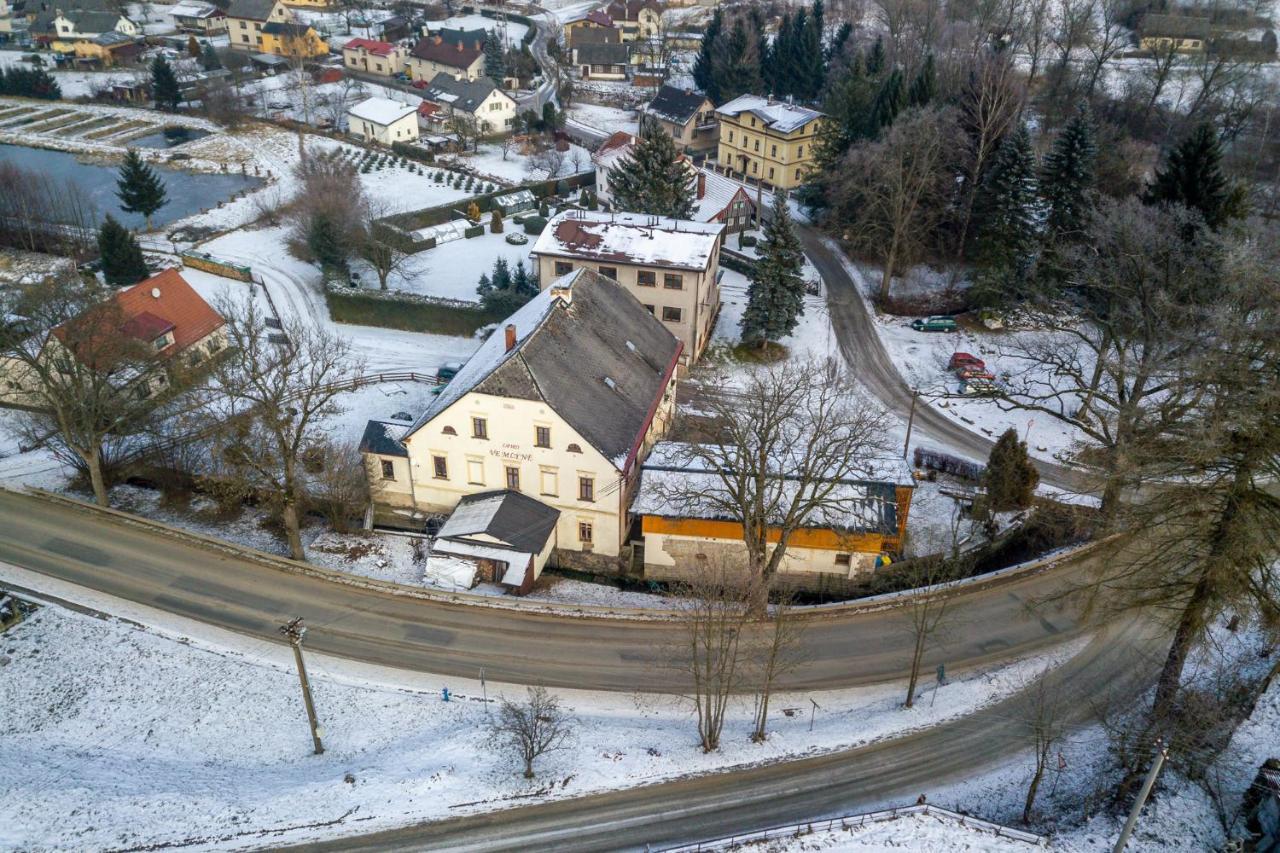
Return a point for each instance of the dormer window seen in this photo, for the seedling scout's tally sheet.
(163, 341)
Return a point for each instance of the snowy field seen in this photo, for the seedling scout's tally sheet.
(118, 736)
(452, 270)
(604, 119)
(517, 168)
(514, 31)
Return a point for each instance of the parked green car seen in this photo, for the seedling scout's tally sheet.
(935, 324)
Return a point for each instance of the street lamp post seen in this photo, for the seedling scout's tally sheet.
(911, 419)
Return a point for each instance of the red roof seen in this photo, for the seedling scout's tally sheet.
(617, 140)
(427, 108)
(437, 50)
(598, 16)
(381, 48)
(163, 303)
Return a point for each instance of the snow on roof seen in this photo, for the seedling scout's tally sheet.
(383, 438)
(777, 115)
(378, 48)
(718, 192)
(631, 238)
(194, 9)
(383, 111)
(517, 521)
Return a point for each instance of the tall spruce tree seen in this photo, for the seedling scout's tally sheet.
(139, 188)
(495, 64)
(209, 60)
(121, 256)
(1004, 220)
(1067, 177)
(737, 65)
(888, 103)
(653, 178)
(775, 296)
(836, 46)
(1010, 477)
(811, 68)
(704, 65)
(875, 58)
(924, 85)
(780, 72)
(164, 85)
(1192, 176)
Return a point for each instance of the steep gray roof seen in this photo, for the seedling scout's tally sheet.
(599, 359)
(383, 438)
(675, 104)
(253, 10)
(601, 54)
(92, 21)
(522, 522)
(465, 95)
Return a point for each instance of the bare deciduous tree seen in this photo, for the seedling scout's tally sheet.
(39, 213)
(789, 449)
(1043, 727)
(280, 388)
(989, 105)
(1109, 37)
(715, 606)
(890, 194)
(928, 604)
(377, 247)
(340, 483)
(776, 651)
(531, 728)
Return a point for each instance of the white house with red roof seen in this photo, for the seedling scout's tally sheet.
(374, 57)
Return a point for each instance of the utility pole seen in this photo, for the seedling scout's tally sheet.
(294, 630)
(1162, 752)
(911, 419)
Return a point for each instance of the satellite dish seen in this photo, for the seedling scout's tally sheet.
(155, 292)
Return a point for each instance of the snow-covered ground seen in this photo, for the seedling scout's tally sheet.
(452, 270)
(517, 168)
(514, 31)
(604, 119)
(119, 736)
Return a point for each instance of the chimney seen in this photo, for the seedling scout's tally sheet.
(511, 336)
(702, 183)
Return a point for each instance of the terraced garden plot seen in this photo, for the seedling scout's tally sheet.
(24, 120)
(11, 111)
(101, 121)
(107, 132)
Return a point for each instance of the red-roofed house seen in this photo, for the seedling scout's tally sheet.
(375, 57)
(162, 313)
(432, 55)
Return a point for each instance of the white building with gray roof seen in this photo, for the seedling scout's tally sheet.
(561, 404)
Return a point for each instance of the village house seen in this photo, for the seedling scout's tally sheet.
(595, 19)
(63, 29)
(194, 16)
(480, 101)
(602, 61)
(687, 116)
(861, 529)
(671, 266)
(383, 120)
(109, 49)
(635, 19)
(560, 404)
(766, 140)
(246, 18)
(717, 199)
(434, 55)
(593, 35)
(374, 57)
(292, 40)
(163, 313)
(1185, 33)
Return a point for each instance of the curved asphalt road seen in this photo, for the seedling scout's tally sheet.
(870, 361)
(1115, 667)
(393, 626)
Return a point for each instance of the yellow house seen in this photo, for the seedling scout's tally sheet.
(1184, 33)
(562, 403)
(679, 538)
(373, 57)
(296, 41)
(768, 141)
(635, 19)
(246, 18)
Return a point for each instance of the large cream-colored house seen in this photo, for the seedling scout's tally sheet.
(383, 120)
(766, 140)
(461, 58)
(481, 101)
(562, 403)
(1184, 33)
(671, 266)
(374, 57)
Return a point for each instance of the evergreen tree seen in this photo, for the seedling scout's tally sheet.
(29, 83)
(193, 47)
(550, 118)
(838, 41)
(779, 74)
(495, 64)
(653, 177)
(811, 68)
(1067, 177)
(925, 84)
(209, 60)
(1004, 217)
(485, 288)
(888, 103)
(775, 296)
(122, 261)
(736, 69)
(1192, 176)
(501, 275)
(1010, 478)
(523, 282)
(875, 59)
(704, 65)
(328, 243)
(139, 188)
(164, 85)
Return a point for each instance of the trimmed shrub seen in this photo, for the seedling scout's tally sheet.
(534, 224)
(473, 231)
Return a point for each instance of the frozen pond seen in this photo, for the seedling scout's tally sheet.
(170, 137)
(189, 192)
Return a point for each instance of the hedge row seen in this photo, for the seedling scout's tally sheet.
(411, 316)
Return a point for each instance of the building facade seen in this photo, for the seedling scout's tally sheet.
(562, 403)
(246, 18)
(434, 54)
(671, 266)
(481, 101)
(686, 116)
(296, 41)
(768, 141)
(383, 121)
(374, 57)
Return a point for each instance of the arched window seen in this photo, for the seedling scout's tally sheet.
(573, 448)
(449, 431)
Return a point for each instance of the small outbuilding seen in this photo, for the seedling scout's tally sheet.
(383, 120)
(508, 534)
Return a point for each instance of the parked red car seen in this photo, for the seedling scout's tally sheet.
(419, 84)
(963, 360)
